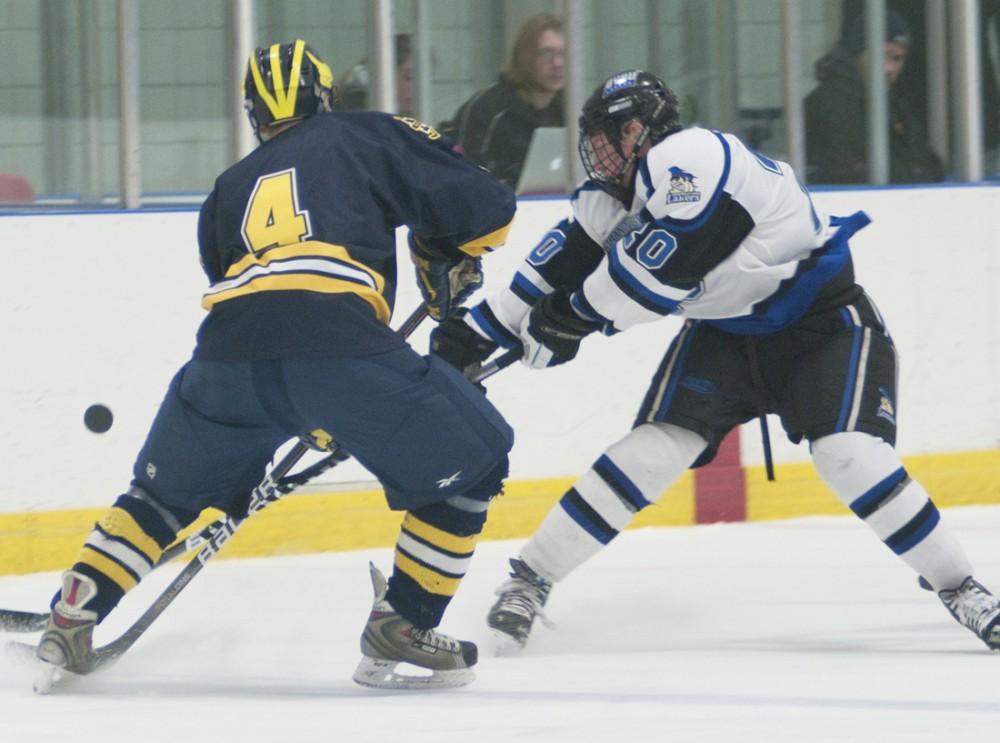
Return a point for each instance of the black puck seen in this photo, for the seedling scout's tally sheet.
(98, 418)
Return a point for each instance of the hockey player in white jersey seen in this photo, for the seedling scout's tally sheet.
(692, 222)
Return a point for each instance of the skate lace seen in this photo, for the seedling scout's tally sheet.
(527, 599)
(436, 639)
(973, 606)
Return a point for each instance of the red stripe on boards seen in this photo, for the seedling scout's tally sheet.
(720, 486)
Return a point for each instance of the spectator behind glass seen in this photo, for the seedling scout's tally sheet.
(495, 125)
(354, 86)
(836, 113)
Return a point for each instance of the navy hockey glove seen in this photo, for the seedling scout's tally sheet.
(446, 277)
(552, 332)
(458, 344)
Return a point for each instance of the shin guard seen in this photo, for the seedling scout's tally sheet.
(867, 475)
(125, 545)
(629, 476)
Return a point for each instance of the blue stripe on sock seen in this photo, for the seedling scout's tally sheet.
(915, 530)
(619, 482)
(586, 517)
(869, 502)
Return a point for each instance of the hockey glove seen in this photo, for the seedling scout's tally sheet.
(445, 280)
(458, 344)
(552, 332)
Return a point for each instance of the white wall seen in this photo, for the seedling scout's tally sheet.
(103, 308)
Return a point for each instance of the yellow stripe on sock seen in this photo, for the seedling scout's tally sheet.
(439, 537)
(430, 580)
(120, 523)
(108, 567)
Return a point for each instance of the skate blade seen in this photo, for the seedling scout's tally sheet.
(382, 674)
(505, 645)
(47, 677)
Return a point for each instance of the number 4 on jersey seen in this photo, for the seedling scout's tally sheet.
(273, 216)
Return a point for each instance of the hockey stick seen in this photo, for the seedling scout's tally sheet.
(267, 492)
(12, 620)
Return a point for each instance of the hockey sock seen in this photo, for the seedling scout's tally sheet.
(629, 476)
(867, 475)
(433, 552)
(125, 544)
(435, 547)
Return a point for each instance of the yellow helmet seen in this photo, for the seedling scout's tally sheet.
(286, 82)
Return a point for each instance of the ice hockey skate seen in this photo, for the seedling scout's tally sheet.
(390, 640)
(522, 598)
(67, 643)
(976, 608)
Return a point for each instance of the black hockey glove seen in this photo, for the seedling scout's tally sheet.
(458, 344)
(551, 334)
(445, 280)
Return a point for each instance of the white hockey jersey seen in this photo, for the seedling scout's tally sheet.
(716, 232)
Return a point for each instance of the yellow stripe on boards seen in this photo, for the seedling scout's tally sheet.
(430, 580)
(108, 567)
(438, 537)
(952, 479)
(336, 521)
(118, 522)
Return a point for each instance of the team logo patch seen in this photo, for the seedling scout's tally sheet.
(885, 407)
(682, 187)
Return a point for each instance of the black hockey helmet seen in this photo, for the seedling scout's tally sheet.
(286, 82)
(633, 94)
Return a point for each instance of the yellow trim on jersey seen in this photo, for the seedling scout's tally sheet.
(305, 249)
(331, 270)
(119, 523)
(482, 245)
(106, 566)
(430, 580)
(438, 537)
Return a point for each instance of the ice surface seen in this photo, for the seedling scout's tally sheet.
(806, 630)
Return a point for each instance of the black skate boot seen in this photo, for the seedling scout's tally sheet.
(522, 598)
(389, 639)
(976, 608)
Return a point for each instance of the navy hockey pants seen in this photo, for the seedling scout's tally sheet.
(414, 422)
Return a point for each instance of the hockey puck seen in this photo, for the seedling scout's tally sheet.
(98, 418)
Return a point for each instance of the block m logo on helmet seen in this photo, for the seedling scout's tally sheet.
(285, 82)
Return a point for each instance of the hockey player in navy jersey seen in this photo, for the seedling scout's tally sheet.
(298, 242)
(692, 222)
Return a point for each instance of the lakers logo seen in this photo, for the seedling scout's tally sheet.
(682, 187)
(885, 407)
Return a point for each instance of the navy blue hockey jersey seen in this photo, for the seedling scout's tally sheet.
(298, 238)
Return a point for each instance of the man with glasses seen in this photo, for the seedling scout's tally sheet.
(495, 126)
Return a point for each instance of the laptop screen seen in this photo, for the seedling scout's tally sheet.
(545, 168)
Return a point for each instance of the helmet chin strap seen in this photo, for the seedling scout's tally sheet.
(633, 157)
